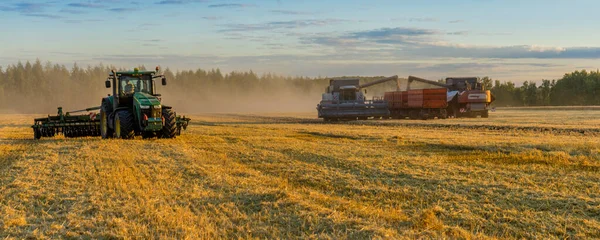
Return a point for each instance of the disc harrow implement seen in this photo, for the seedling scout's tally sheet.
(85, 125)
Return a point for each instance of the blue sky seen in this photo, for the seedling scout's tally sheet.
(507, 40)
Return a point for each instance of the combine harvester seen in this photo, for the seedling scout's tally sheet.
(133, 109)
(458, 97)
(344, 100)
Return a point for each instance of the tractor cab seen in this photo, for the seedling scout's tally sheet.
(134, 108)
(132, 84)
(129, 82)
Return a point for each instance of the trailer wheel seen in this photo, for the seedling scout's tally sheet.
(169, 130)
(485, 114)
(443, 114)
(413, 114)
(36, 133)
(452, 112)
(124, 125)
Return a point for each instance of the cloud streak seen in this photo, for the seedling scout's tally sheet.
(24, 7)
(392, 32)
(72, 11)
(43, 15)
(120, 10)
(212, 18)
(231, 5)
(178, 2)
(290, 12)
(30, 10)
(85, 5)
(427, 43)
(426, 19)
(293, 24)
(513, 52)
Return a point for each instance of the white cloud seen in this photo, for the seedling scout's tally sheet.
(536, 48)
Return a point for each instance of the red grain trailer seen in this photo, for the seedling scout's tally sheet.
(418, 103)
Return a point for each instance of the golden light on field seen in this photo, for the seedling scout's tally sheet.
(518, 174)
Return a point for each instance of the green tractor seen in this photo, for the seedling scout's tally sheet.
(135, 108)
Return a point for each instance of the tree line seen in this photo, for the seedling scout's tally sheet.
(578, 88)
(41, 87)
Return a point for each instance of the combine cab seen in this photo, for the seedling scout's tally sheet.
(344, 100)
(133, 109)
(468, 98)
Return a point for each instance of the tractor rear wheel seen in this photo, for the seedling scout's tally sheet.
(169, 129)
(124, 125)
(105, 131)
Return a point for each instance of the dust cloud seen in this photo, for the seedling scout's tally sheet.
(278, 100)
(187, 92)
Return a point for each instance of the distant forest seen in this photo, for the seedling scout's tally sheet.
(40, 87)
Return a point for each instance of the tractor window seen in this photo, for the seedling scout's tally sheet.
(130, 85)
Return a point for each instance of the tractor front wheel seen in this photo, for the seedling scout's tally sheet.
(124, 125)
(105, 131)
(169, 129)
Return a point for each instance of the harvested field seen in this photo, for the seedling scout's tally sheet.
(518, 174)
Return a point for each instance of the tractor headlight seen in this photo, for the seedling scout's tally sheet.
(157, 107)
(145, 107)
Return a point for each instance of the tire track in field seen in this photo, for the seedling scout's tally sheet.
(299, 202)
(529, 199)
(257, 119)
